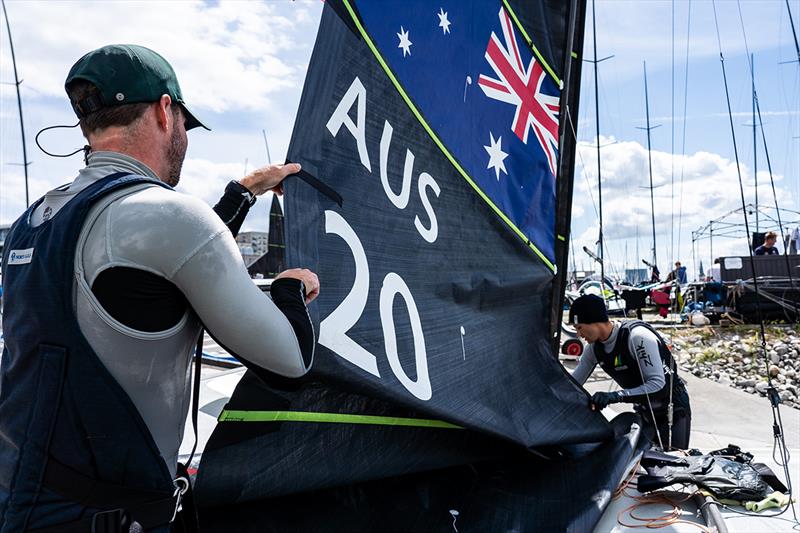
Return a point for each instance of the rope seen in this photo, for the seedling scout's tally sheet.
(672, 517)
(583, 166)
(627, 481)
(683, 134)
(672, 144)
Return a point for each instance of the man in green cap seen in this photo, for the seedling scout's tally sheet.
(108, 281)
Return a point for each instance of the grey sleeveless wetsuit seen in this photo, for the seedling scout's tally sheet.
(181, 239)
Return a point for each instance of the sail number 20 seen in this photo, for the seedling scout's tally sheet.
(333, 329)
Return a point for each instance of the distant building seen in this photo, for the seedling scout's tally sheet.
(252, 245)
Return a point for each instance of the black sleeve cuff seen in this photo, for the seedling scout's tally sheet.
(289, 295)
(234, 205)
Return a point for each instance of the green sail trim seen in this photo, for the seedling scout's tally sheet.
(438, 141)
(531, 45)
(334, 418)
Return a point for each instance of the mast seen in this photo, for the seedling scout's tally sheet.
(755, 145)
(597, 135)
(650, 162)
(266, 145)
(570, 96)
(17, 83)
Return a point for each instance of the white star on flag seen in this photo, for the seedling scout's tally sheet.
(443, 22)
(405, 44)
(496, 156)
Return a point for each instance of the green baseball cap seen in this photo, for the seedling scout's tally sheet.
(127, 74)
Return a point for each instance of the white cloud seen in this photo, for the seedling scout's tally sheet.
(241, 66)
(233, 55)
(710, 190)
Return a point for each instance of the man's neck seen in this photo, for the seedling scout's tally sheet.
(608, 330)
(122, 142)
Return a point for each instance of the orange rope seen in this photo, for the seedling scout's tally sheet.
(656, 522)
(627, 481)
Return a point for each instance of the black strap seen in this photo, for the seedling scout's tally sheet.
(150, 508)
(89, 492)
(198, 363)
(317, 184)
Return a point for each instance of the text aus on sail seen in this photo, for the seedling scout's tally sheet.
(334, 328)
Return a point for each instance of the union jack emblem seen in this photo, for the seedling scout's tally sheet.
(522, 88)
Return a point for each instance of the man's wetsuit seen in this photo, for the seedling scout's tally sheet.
(638, 359)
(150, 266)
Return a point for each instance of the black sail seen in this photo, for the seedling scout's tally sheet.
(439, 277)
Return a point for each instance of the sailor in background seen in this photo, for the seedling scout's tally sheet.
(768, 248)
(638, 359)
(678, 274)
(108, 282)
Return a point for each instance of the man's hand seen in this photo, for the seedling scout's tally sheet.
(601, 400)
(269, 178)
(308, 278)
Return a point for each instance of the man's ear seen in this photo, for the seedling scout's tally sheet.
(163, 112)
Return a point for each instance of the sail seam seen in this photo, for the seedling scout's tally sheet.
(439, 143)
(336, 418)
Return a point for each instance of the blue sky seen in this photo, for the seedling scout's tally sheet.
(242, 65)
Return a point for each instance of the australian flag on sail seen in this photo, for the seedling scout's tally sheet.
(501, 123)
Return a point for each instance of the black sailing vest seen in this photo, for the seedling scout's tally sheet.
(57, 400)
(623, 367)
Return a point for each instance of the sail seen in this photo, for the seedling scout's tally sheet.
(443, 130)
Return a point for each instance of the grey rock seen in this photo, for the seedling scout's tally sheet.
(762, 386)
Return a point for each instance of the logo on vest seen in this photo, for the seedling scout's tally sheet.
(20, 257)
(641, 353)
(48, 212)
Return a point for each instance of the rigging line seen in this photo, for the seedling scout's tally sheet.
(583, 166)
(676, 307)
(17, 83)
(683, 133)
(794, 32)
(777, 426)
(766, 152)
(672, 143)
(597, 127)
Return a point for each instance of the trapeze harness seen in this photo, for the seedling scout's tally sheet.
(729, 473)
(68, 426)
(92, 452)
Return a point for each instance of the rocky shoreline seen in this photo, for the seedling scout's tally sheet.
(733, 356)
